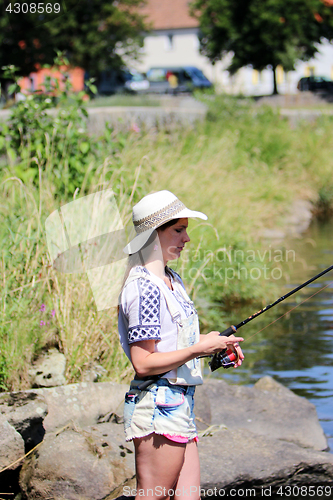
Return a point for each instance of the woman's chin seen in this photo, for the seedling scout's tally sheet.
(174, 256)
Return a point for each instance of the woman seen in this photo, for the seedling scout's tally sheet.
(159, 331)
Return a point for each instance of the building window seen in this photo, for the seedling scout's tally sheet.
(169, 42)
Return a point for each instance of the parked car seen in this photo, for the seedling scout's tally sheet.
(176, 79)
(314, 83)
(114, 81)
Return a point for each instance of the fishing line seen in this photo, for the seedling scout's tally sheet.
(330, 283)
(229, 356)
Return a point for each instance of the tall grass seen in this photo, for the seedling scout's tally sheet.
(243, 166)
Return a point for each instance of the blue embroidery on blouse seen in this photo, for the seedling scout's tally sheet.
(137, 333)
(187, 306)
(149, 327)
(149, 306)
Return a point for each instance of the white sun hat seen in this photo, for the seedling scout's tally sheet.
(153, 211)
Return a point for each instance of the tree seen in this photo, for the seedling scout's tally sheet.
(94, 34)
(263, 32)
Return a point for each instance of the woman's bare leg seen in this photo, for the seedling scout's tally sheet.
(158, 462)
(188, 484)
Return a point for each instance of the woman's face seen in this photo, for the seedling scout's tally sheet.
(173, 239)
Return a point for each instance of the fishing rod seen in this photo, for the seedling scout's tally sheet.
(228, 357)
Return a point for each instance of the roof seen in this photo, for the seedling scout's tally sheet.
(169, 14)
(173, 14)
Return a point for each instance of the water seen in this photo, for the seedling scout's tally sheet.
(297, 349)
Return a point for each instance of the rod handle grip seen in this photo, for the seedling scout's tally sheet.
(229, 331)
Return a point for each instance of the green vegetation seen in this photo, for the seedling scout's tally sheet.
(95, 35)
(243, 166)
(263, 33)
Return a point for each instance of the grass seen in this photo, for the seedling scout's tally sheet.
(243, 166)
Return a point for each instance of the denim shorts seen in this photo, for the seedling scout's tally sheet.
(162, 408)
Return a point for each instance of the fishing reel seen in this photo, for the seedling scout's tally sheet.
(227, 358)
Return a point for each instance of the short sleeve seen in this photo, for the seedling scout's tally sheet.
(142, 307)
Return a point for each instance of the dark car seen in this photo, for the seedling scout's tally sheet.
(173, 80)
(114, 81)
(313, 83)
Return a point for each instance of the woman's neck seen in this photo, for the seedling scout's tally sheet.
(156, 267)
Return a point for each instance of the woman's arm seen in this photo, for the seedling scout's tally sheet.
(146, 362)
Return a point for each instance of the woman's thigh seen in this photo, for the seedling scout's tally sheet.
(188, 484)
(158, 464)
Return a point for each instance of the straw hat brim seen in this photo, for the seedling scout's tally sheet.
(141, 239)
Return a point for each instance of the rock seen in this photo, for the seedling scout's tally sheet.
(78, 464)
(272, 234)
(294, 223)
(267, 409)
(94, 373)
(234, 459)
(49, 370)
(261, 436)
(25, 411)
(82, 403)
(299, 218)
(11, 445)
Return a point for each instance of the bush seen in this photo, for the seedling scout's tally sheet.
(40, 136)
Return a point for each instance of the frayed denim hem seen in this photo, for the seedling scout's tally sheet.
(168, 436)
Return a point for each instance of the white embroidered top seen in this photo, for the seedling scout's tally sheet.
(144, 315)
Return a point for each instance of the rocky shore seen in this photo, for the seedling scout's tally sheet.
(250, 437)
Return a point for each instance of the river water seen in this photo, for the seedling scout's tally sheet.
(297, 349)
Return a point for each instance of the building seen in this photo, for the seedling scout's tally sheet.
(174, 41)
(36, 80)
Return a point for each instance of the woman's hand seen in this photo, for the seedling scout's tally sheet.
(213, 342)
(147, 362)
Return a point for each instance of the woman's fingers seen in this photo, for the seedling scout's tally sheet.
(214, 342)
(234, 342)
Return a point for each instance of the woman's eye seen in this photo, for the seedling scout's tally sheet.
(178, 230)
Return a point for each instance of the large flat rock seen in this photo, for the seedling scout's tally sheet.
(82, 403)
(266, 409)
(234, 459)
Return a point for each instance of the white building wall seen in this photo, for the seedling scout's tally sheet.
(180, 47)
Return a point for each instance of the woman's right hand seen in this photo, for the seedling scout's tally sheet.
(213, 342)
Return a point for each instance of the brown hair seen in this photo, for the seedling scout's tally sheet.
(170, 223)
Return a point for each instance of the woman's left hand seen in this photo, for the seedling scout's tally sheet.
(240, 354)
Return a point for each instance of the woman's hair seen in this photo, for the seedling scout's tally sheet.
(170, 223)
(136, 258)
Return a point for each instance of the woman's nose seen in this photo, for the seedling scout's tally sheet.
(186, 238)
